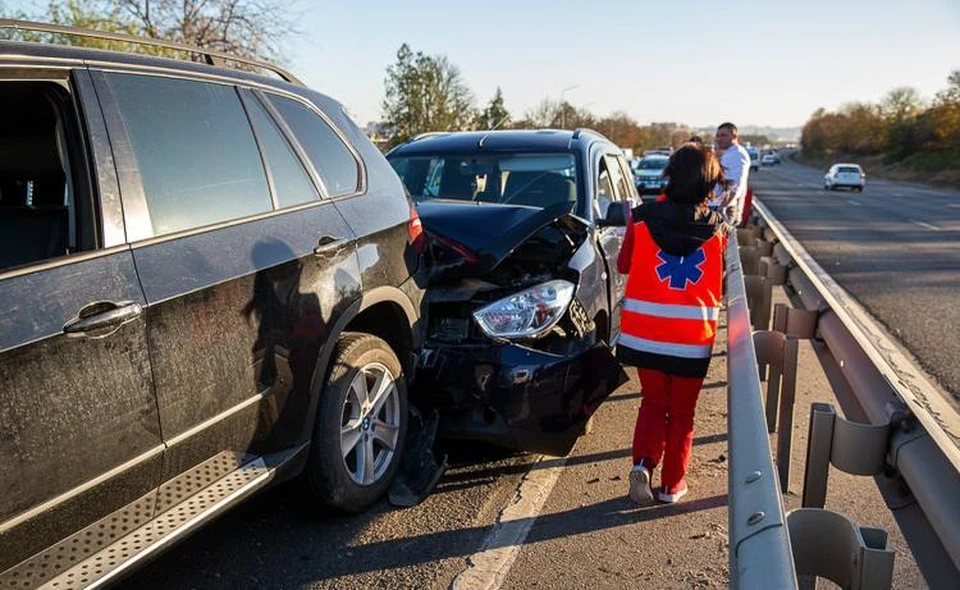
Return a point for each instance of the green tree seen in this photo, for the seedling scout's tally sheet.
(495, 116)
(424, 93)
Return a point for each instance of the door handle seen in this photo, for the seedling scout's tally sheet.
(102, 318)
(328, 244)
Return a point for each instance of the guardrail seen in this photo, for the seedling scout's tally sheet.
(760, 554)
(899, 429)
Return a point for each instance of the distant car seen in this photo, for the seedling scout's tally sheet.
(776, 157)
(768, 160)
(754, 158)
(845, 175)
(648, 176)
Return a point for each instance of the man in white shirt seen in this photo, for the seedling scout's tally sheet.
(736, 168)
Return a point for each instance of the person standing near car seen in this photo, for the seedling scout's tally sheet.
(735, 160)
(673, 256)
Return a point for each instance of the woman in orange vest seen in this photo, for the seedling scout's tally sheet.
(673, 252)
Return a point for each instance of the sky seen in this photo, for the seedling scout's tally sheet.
(693, 62)
(754, 63)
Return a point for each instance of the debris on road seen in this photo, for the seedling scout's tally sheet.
(419, 470)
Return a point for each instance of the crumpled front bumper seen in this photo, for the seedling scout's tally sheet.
(516, 396)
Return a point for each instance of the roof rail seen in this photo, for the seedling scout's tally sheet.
(425, 135)
(213, 58)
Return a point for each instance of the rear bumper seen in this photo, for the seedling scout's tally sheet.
(514, 396)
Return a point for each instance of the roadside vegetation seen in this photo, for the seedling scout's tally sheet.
(428, 93)
(902, 137)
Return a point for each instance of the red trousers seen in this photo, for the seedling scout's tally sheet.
(665, 423)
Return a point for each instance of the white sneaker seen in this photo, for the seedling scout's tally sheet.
(640, 491)
(673, 494)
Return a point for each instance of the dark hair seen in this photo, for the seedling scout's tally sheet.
(696, 139)
(692, 173)
(728, 126)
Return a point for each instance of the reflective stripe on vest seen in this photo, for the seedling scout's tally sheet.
(668, 310)
(672, 302)
(687, 351)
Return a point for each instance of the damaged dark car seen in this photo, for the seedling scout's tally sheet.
(523, 296)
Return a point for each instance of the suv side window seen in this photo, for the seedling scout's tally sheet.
(291, 183)
(196, 153)
(628, 188)
(333, 161)
(605, 191)
(43, 215)
(620, 191)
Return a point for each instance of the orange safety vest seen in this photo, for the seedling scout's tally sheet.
(672, 302)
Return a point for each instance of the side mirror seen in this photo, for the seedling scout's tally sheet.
(617, 215)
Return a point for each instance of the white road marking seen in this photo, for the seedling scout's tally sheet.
(925, 225)
(852, 202)
(488, 568)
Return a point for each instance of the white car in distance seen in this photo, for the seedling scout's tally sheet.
(845, 175)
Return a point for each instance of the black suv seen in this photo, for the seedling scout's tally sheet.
(523, 294)
(206, 287)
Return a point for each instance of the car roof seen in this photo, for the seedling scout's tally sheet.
(77, 56)
(544, 140)
(851, 165)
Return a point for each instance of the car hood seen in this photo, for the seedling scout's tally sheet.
(472, 239)
(649, 173)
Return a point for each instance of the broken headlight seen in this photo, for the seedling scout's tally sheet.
(531, 313)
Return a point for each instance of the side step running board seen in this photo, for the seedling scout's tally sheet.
(114, 560)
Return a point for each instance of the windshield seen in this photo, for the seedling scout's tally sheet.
(848, 169)
(653, 164)
(536, 180)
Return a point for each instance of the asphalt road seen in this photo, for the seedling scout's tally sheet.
(509, 519)
(895, 247)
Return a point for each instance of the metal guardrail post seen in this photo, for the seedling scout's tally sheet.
(780, 351)
(817, 468)
(760, 552)
(829, 545)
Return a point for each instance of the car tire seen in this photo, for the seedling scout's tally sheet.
(344, 482)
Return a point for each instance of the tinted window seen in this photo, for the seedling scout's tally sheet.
(333, 161)
(290, 180)
(38, 205)
(848, 169)
(196, 153)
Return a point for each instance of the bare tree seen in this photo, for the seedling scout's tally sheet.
(246, 28)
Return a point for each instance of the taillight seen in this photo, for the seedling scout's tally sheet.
(466, 255)
(415, 227)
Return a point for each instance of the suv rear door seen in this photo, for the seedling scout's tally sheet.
(245, 267)
(80, 446)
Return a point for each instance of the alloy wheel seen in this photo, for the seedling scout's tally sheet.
(370, 424)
